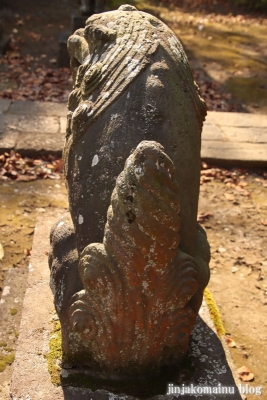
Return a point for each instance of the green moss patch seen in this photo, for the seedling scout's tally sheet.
(13, 311)
(214, 312)
(54, 355)
(6, 360)
(9, 349)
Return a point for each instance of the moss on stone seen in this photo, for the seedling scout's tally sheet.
(54, 355)
(3, 344)
(6, 360)
(13, 311)
(214, 312)
(8, 349)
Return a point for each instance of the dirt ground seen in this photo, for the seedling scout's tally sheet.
(237, 235)
(20, 203)
(234, 215)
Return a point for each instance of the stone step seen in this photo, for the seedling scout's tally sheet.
(235, 139)
(38, 128)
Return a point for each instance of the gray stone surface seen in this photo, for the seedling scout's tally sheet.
(63, 59)
(237, 119)
(32, 145)
(235, 139)
(38, 108)
(31, 379)
(63, 125)
(147, 94)
(237, 134)
(234, 153)
(212, 132)
(8, 140)
(31, 123)
(4, 105)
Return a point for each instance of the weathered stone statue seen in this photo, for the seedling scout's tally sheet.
(129, 263)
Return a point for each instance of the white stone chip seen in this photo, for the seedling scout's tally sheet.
(95, 160)
(80, 219)
(6, 291)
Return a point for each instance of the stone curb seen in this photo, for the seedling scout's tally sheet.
(38, 128)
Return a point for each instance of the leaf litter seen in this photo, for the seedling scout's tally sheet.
(26, 78)
(25, 169)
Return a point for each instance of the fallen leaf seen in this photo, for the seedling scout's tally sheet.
(15, 167)
(202, 217)
(230, 341)
(27, 252)
(244, 374)
(26, 178)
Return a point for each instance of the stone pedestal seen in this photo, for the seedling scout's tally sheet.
(63, 55)
(77, 21)
(4, 40)
(31, 379)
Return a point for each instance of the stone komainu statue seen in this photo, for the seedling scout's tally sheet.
(129, 263)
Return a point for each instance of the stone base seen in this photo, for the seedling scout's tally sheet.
(31, 379)
(63, 60)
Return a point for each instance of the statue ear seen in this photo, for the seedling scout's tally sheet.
(99, 33)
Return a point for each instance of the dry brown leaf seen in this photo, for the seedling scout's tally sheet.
(244, 374)
(202, 217)
(230, 341)
(27, 252)
(26, 178)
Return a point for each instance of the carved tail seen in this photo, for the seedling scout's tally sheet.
(134, 311)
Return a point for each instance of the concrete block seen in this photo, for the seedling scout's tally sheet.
(31, 123)
(230, 153)
(8, 140)
(38, 108)
(245, 135)
(236, 119)
(32, 145)
(63, 54)
(212, 132)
